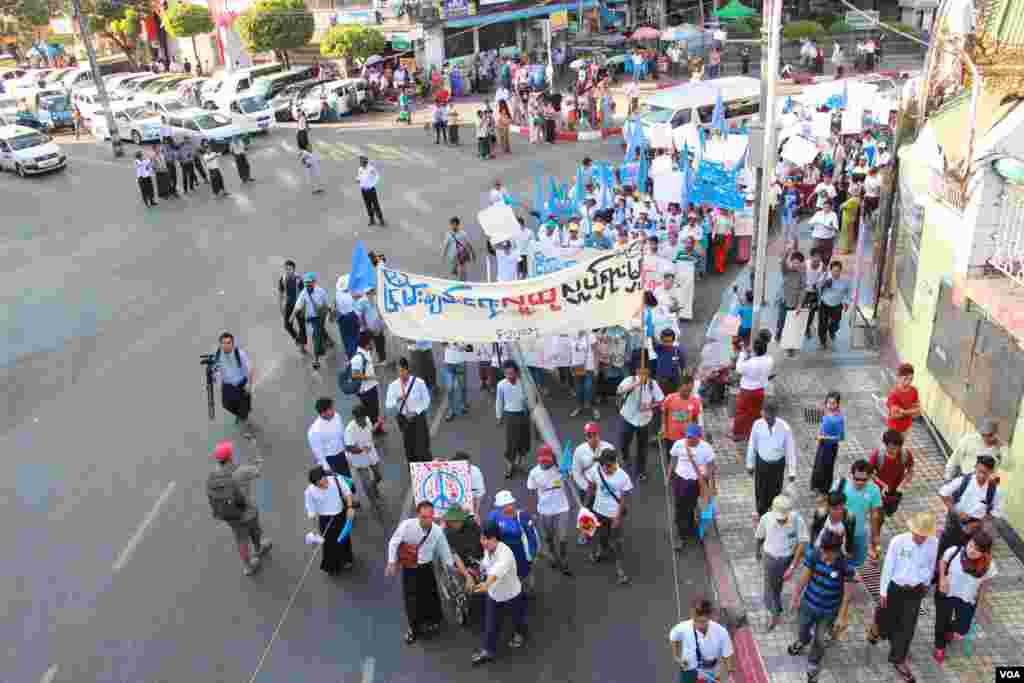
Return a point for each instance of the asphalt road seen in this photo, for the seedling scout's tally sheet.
(114, 570)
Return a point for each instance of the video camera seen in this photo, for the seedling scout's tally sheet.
(209, 362)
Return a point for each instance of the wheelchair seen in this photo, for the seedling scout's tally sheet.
(456, 600)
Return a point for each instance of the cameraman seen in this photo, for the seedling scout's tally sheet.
(236, 375)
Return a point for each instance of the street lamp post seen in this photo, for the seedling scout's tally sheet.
(101, 88)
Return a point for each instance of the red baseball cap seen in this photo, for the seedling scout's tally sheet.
(545, 454)
(591, 428)
(223, 451)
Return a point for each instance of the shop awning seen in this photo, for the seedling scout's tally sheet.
(516, 15)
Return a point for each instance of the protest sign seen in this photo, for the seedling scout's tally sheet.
(661, 165)
(544, 258)
(499, 223)
(668, 187)
(601, 292)
(660, 136)
(821, 125)
(799, 150)
(853, 119)
(443, 483)
(793, 331)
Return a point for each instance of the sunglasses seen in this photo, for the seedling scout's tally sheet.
(860, 480)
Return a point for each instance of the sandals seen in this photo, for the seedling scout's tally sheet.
(796, 649)
(905, 673)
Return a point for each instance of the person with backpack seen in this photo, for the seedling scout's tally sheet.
(962, 496)
(893, 472)
(906, 576)
(864, 501)
(227, 489)
(821, 596)
(363, 371)
(985, 442)
(236, 377)
(964, 573)
(289, 286)
(329, 503)
(518, 532)
(457, 252)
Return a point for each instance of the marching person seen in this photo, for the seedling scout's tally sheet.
(834, 294)
(964, 574)
(770, 452)
(642, 396)
(346, 316)
(517, 532)
(693, 457)
(312, 304)
(227, 489)
(368, 178)
(609, 485)
(310, 161)
(329, 504)
(409, 400)
(236, 376)
(552, 507)
(906, 576)
(144, 176)
(504, 590)
(903, 403)
(985, 442)
(363, 370)
(457, 251)
(782, 538)
(680, 409)
(583, 459)
(289, 286)
(359, 446)
(476, 481)
(831, 432)
(893, 470)
(963, 495)
(237, 149)
(755, 371)
(821, 596)
(701, 647)
(512, 409)
(415, 545)
(187, 157)
(864, 501)
(326, 438)
(211, 162)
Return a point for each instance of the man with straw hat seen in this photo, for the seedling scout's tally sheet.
(906, 575)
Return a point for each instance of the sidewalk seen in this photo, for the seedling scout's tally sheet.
(800, 385)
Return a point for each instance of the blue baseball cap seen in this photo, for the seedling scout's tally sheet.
(693, 431)
(309, 277)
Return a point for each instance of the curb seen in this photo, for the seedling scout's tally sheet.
(571, 136)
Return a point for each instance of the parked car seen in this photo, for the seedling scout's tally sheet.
(28, 152)
(252, 113)
(129, 89)
(169, 105)
(136, 122)
(334, 99)
(221, 91)
(88, 102)
(53, 109)
(212, 126)
(283, 101)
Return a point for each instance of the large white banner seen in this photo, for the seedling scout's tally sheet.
(601, 292)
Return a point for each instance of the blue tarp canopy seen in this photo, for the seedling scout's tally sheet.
(516, 15)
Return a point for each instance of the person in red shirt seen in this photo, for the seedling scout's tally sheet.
(893, 471)
(681, 409)
(903, 403)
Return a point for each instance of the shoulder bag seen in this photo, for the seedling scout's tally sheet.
(611, 491)
(409, 554)
(402, 420)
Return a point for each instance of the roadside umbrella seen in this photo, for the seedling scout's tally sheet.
(373, 59)
(577, 63)
(646, 33)
(681, 32)
(734, 10)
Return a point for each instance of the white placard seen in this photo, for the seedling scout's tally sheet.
(661, 165)
(793, 331)
(821, 125)
(601, 292)
(799, 150)
(659, 136)
(668, 187)
(686, 136)
(443, 483)
(727, 151)
(499, 223)
(853, 119)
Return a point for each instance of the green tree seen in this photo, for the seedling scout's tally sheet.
(276, 26)
(118, 21)
(352, 42)
(30, 17)
(185, 20)
(795, 30)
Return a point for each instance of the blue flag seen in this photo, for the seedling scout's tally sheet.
(578, 194)
(718, 116)
(641, 179)
(363, 276)
(565, 464)
(538, 195)
(345, 531)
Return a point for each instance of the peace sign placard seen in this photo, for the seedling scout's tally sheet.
(443, 483)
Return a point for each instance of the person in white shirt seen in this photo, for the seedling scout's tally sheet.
(642, 396)
(583, 459)
(416, 543)
(872, 191)
(817, 271)
(408, 399)
(326, 437)
(770, 452)
(552, 507)
(329, 504)
(507, 261)
(573, 239)
(609, 485)
(782, 536)
(584, 369)
(501, 95)
(701, 647)
(362, 368)
(144, 176)
(512, 409)
(211, 160)
(346, 316)
(503, 590)
(359, 446)
(310, 161)
(963, 495)
(906, 576)
(755, 372)
(454, 373)
(497, 195)
(964, 573)
(633, 97)
(824, 227)
(368, 177)
(692, 456)
(476, 481)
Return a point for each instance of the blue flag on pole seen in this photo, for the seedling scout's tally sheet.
(578, 194)
(565, 463)
(538, 195)
(641, 180)
(718, 115)
(363, 277)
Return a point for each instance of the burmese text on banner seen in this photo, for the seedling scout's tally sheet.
(599, 292)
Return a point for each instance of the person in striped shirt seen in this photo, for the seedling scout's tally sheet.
(823, 587)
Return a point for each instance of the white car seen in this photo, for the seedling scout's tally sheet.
(253, 114)
(136, 122)
(341, 97)
(88, 102)
(212, 126)
(169, 105)
(29, 152)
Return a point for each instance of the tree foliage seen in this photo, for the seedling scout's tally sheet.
(352, 42)
(33, 13)
(796, 30)
(118, 22)
(276, 26)
(185, 20)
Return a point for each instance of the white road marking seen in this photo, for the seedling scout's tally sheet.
(273, 369)
(51, 673)
(369, 664)
(417, 203)
(129, 549)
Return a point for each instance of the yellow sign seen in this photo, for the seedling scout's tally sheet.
(559, 21)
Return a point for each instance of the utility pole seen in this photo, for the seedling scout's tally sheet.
(101, 88)
(773, 20)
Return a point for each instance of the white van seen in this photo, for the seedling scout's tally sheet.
(694, 102)
(220, 92)
(78, 78)
(28, 152)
